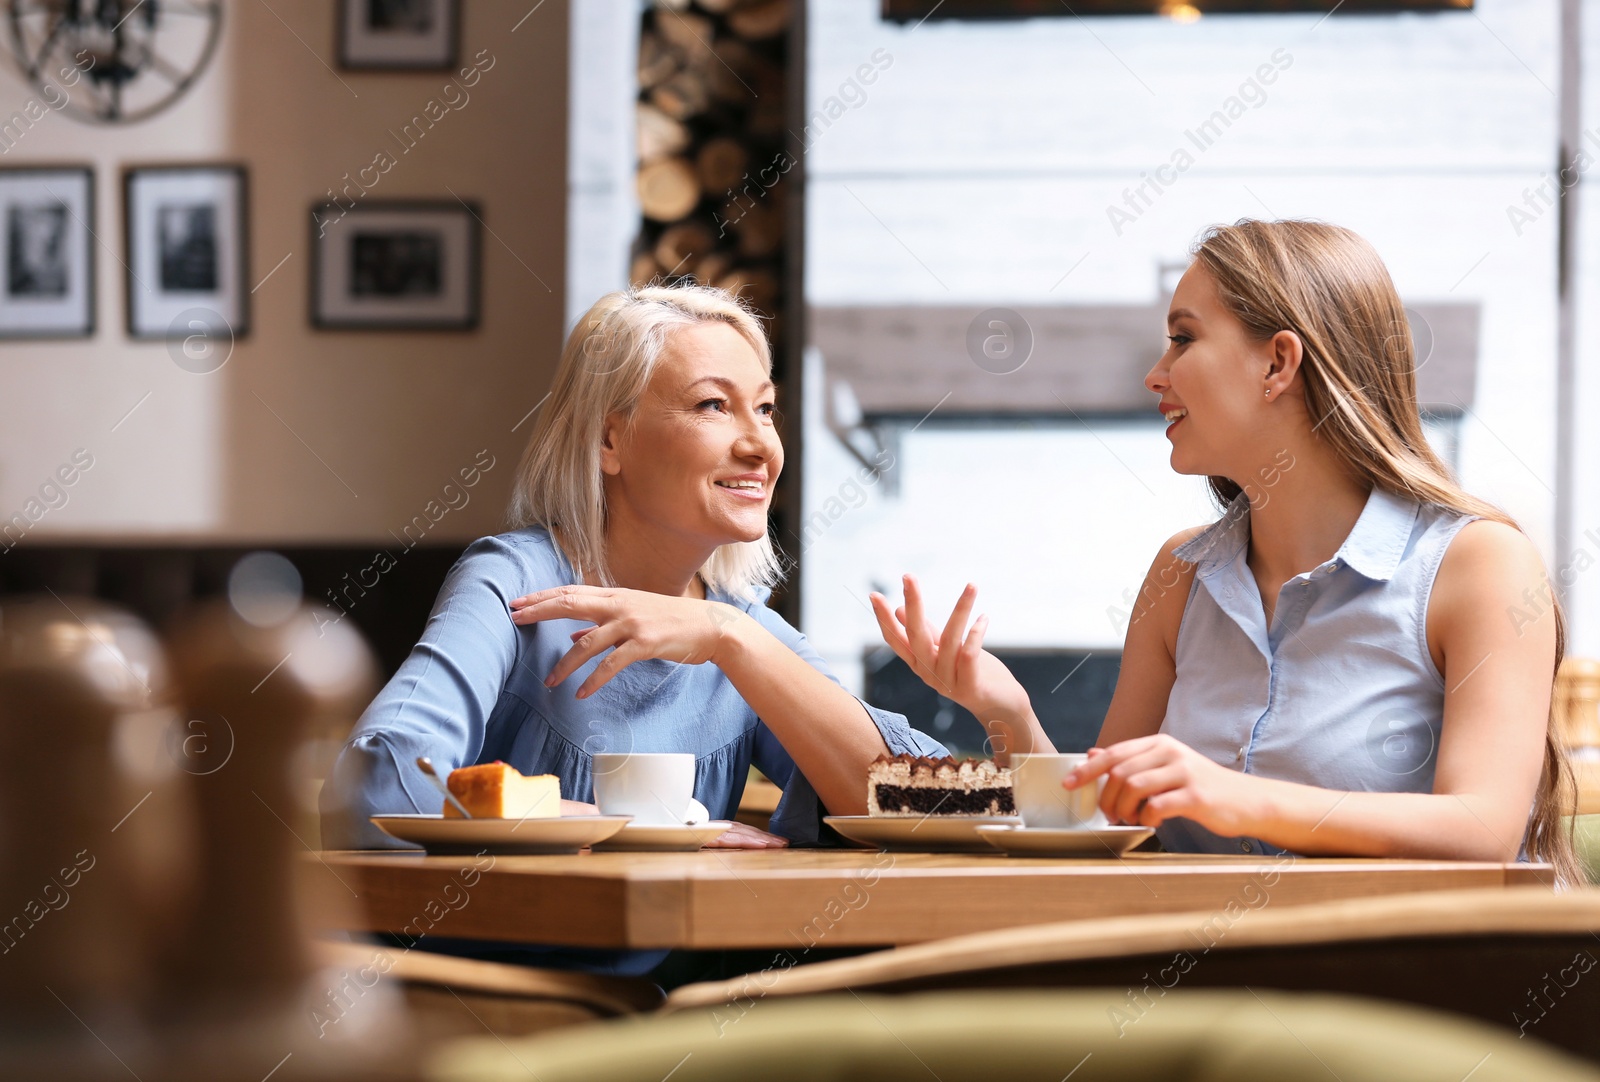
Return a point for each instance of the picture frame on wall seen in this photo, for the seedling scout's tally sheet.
(47, 233)
(399, 35)
(187, 240)
(395, 265)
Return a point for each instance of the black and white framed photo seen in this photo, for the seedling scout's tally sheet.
(395, 266)
(187, 247)
(47, 227)
(391, 35)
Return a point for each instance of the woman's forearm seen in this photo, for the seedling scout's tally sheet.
(1016, 732)
(1305, 819)
(823, 727)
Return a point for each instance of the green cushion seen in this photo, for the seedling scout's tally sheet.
(1198, 1036)
(1586, 836)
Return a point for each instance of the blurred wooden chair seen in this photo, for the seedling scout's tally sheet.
(1576, 706)
(448, 997)
(1040, 1036)
(1515, 957)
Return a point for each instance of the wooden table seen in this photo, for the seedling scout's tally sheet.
(836, 898)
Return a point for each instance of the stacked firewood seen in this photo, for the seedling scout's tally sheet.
(712, 134)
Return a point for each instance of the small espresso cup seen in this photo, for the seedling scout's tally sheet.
(1043, 802)
(656, 788)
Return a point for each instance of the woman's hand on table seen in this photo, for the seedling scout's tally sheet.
(954, 663)
(633, 624)
(1151, 779)
(745, 836)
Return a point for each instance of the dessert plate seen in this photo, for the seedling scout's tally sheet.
(451, 837)
(1020, 841)
(638, 837)
(919, 833)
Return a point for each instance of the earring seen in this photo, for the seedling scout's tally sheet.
(1269, 392)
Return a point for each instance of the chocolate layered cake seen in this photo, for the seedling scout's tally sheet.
(914, 785)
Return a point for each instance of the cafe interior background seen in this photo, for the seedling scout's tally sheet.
(962, 218)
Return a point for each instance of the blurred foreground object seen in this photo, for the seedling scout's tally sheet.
(94, 835)
(243, 993)
(1240, 1035)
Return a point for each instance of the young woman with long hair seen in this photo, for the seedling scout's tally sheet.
(1346, 662)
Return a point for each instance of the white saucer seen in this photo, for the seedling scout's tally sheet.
(451, 837)
(638, 837)
(919, 833)
(1020, 841)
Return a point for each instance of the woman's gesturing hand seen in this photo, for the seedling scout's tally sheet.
(1151, 779)
(955, 664)
(633, 624)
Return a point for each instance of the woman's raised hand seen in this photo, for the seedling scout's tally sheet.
(955, 664)
(633, 624)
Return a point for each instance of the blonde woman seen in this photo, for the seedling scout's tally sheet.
(624, 611)
(1343, 664)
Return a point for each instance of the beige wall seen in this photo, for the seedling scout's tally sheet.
(369, 426)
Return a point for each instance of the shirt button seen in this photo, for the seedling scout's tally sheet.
(1242, 749)
(1244, 847)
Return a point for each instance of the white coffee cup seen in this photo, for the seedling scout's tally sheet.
(656, 788)
(1041, 799)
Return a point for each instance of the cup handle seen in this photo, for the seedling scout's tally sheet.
(696, 813)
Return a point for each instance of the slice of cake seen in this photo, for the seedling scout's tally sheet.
(917, 785)
(497, 791)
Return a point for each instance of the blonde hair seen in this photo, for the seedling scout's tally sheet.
(605, 367)
(1358, 368)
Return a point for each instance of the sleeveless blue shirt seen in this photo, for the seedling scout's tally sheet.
(1340, 692)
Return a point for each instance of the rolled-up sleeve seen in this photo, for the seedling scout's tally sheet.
(438, 704)
(799, 813)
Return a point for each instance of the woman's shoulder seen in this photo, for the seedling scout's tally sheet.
(1492, 586)
(1164, 594)
(1486, 556)
(527, 559)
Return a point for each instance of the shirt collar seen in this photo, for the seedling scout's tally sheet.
(1380, 536)
(1220, 543)
(1374, 548)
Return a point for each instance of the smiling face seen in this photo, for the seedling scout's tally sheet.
(696, 461)
(1214, 380)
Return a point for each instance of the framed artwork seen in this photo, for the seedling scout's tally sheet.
(187, 245)
(398, 35)
(47, 228)
(395, 266)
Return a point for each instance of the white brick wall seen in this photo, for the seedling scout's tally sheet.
(978, 169)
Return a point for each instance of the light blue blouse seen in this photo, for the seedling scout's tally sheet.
(1340, 692)
(472, 691)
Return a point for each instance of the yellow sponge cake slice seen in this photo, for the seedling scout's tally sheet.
(497, 791)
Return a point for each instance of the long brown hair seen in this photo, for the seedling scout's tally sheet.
(1359, 372)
